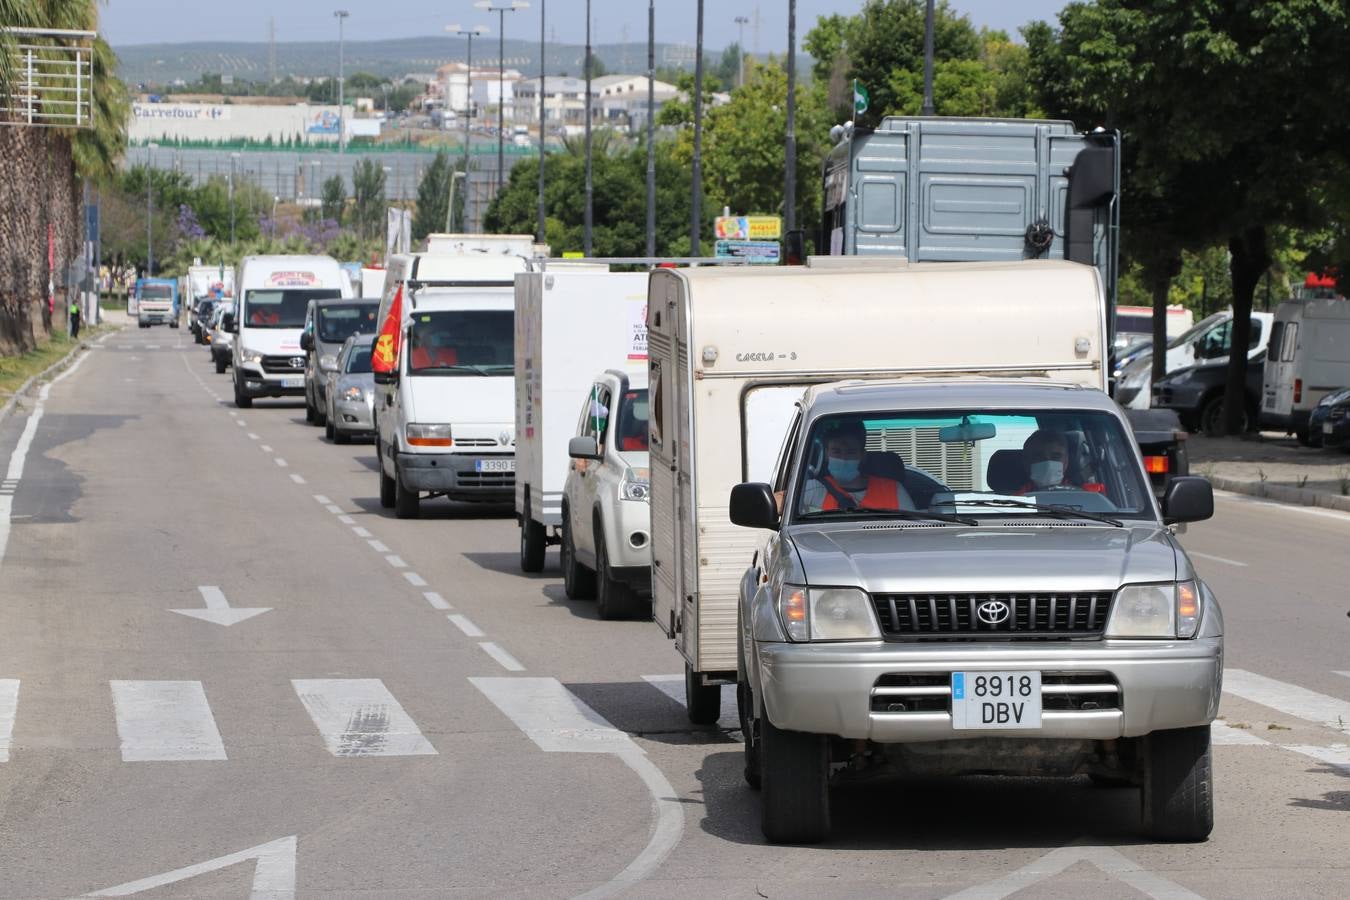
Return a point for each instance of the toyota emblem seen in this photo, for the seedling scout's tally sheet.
(297, 362)
(993, 612)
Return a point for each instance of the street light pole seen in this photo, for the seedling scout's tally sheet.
(149, 215)
(233, 157)
(928, 108)
(651, 128)
(341, 16)
(790, 144)
(740, 49)
(501, 8)
(587, 217)
(542, 133)
(468, 93)
(696, 199)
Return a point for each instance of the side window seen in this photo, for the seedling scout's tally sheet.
(1276, 336)
(1255, 337)
(1289, 344)
(780, 478)
(602, 403)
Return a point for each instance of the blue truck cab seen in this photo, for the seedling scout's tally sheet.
(156, 302)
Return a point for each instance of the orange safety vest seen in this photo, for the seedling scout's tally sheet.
(881, 493)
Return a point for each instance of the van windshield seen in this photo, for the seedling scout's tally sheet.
(462, 342)
(282, 308)
(337, 323)
(973, 462)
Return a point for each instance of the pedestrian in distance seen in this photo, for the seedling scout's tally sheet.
(74, 319)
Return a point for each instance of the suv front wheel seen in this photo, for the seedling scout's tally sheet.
(578, 581)
(795, 795)
(1178, 791)
(614, 599)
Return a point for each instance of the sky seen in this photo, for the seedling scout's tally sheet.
(126, 22)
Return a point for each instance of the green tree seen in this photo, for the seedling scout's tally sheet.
(368, 212)
(364, 84)
(334, 203)
(433, 197)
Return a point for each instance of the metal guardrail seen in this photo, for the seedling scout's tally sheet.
(53, 79)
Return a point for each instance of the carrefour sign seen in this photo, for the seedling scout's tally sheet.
(180, 112)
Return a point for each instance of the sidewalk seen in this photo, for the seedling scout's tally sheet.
(1273, 466)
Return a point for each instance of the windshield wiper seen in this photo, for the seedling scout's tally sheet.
(907, 514)
(1064, 512)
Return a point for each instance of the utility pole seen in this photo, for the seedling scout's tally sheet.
(928, 108)
(651, 128)
(468, 101)
(233, 158)
(341, 16)
(501, 8)
(149, 215)
(696, 200)
(543, 135)
(790, 145)
(741, 22)
(587, 217)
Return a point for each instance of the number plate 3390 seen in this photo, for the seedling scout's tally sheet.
(996, 700)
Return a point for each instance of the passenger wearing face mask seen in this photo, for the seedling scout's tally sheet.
(843, 484)
(1047, 455)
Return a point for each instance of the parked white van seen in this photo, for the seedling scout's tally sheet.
(1309, 357)
(273, 294)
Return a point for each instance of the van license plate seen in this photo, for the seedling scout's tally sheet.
(494, 465)
(292, 382)
(993, 700)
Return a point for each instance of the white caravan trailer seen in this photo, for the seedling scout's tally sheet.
(486, 244)
(733, 350)
(572, 321)
(1308, 358)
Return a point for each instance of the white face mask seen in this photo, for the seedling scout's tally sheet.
(1047, 472)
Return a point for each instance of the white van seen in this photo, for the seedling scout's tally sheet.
(1207, 342)
(274, 292)
(1309, 357)
(733, 350)
(444, 383)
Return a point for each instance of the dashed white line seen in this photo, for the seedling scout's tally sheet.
(298, 479)
(378, 547)
(280, 462)
(241, 423)
(252, 436)
(346, 520)
(463, 624)
(395, 561)
(414, 579)
(334, 509)
(323, 501)
(436, 600)
(1217, 559)
(9, 709)
(360, 532)
(504, 659)
(266, 449)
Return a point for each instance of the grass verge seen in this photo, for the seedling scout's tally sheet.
(15, 370)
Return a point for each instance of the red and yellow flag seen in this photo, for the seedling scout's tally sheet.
(384, 358)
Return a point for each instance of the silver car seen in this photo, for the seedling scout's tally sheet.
(349, 392)
(222, 341)
(973, 577)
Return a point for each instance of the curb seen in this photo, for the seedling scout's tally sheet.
(1282, 494)
(59, 364)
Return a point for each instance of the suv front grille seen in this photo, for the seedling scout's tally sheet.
(282, 365)
(1028, 617)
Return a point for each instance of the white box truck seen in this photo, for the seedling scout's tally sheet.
(572, 322)
(733, 350)
(1308, 358)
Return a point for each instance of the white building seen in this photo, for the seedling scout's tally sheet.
(299, 122)
(564, 103)
(622, 99)
(455, 80)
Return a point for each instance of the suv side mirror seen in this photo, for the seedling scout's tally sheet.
(228, 325)
(753, 506)
(306, 341)
(583, 447)
(1189, 498)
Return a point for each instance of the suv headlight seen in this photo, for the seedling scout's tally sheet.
(328, 362)
(424, 435)
(826, 614)
(1169, 610)
(636, 485)
(250, 356)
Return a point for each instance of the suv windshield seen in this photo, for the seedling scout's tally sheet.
(973, 463)
(337, 323)
(358, 363)
(282, 308)
(462, 342)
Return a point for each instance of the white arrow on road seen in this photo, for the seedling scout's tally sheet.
(218, 609)
(273, 875)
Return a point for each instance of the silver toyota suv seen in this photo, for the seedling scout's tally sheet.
(973, 577)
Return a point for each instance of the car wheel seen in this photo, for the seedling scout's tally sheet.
(750, 736)
(1304, 437)
(220, 365)
(321, 414)
(311, 414)
(533, 540)
(407, 504)
(614, 599)
(241, 400)
(329, 431)
(387, 490)
(703, 702)
(1211, 418)
(578, 581)
(1178, 789)
(794, 796)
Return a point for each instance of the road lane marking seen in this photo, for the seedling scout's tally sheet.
(323, 501)
(414, 579)
(673, 687)
(1337, 755)
(252, 436)
(334, 509)
(163, 721)
(1107, 859)
(241, 423)
(298, 479)
(504, 659)
(395, 561)
(559, 722)
(360, 532)
(1344, 674)
(1218, 559)
(9, 711)
(1311, 706)
(346, 520)
(273, 872)
(1247, 500)
(218, 609)
(266, 449)
(280, 462)
(1221, 734)
(436, 600)
(378, 547)
(463, 624)
(359, 717)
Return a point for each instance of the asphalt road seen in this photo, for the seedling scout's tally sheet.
(394, 710)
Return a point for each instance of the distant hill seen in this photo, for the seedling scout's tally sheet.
(160, 64)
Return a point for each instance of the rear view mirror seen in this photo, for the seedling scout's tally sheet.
(227, 324)
(1189, 498)
(966, 431)
(753, 506)
(306, 341)
(583, 447)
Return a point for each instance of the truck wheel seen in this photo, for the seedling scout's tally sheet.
(387, 490)
(749, 732)
(220, 365)
(241, 400)
(578, 581)
(1178, 790)
(614, 599)
(329, 431)
(703, 702)
(532, 541)
(795, 797)
(406, 502)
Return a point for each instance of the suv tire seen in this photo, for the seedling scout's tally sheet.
(1178, 789)
(703, 702)
(533, 541)
(578, 581)
(406, 503)
(387, 487)
(795, 797)
(614, 599)
(241, 400)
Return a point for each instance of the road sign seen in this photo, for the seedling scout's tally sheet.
(767, 253)
(748, 228)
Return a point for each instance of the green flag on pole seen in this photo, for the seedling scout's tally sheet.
(860, 98)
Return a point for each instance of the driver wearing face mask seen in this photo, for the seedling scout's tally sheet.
(1047, 455)
(843, 484)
